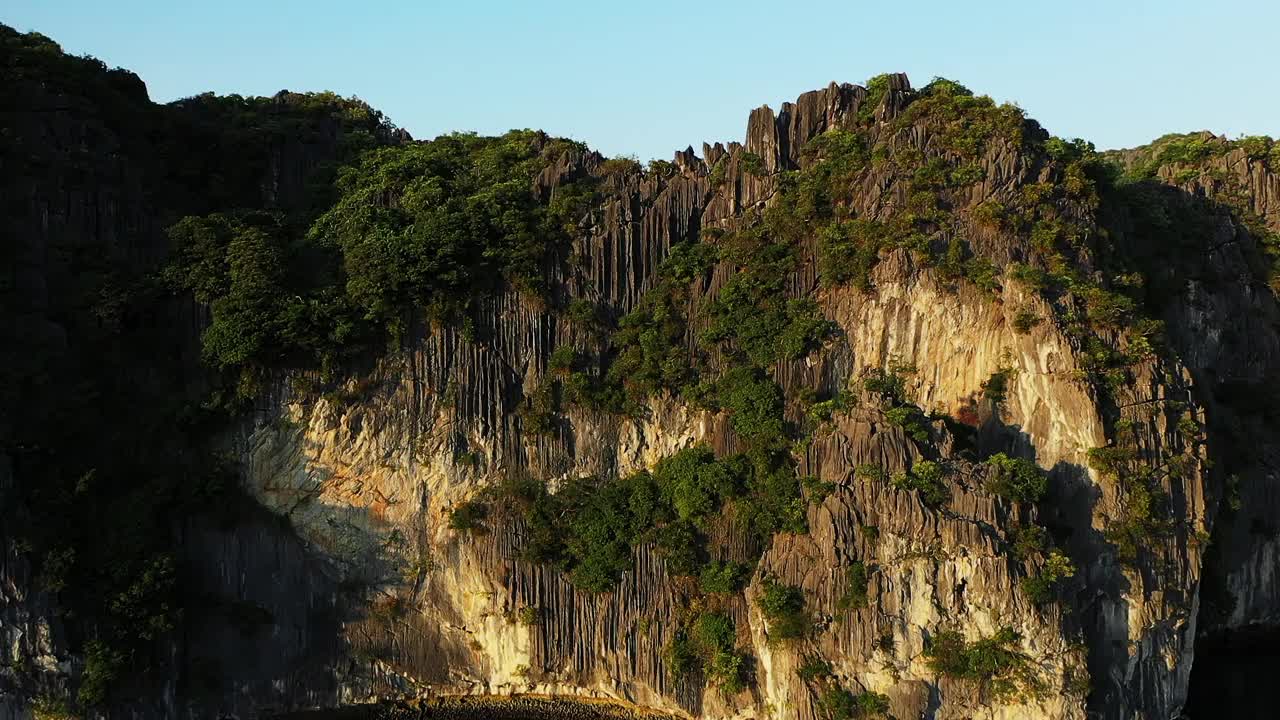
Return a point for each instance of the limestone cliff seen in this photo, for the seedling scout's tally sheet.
(346, 579)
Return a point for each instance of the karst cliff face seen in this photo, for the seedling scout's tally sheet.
(343, 574)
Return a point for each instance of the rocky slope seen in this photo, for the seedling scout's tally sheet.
(345, 575)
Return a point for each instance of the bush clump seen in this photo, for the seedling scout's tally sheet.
(1016, 479)
(996, 664)
(841, 704)
(927, 478)
(723, 577)
(754, 402)
(1042, 587)
(590, 527)
(1144, 515)
(468, 515)
(855, 594)
(783, 609)
(708, 644)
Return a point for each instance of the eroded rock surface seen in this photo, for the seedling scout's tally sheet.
(347, 584)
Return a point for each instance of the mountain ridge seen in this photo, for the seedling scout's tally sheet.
(882, 289)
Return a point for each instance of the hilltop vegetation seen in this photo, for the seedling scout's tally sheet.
(382, 240)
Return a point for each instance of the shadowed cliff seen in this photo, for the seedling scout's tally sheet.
(902, 406)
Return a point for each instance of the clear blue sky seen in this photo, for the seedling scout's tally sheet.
(648, 77)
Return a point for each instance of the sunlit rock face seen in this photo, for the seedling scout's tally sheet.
(344, 582)
(369, 483)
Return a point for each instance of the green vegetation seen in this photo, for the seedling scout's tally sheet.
(49, 708)
(102, 667)
(604, 520)
(1024, 320)
(927, 478)
(1042, 586)
(911, 419)
(1029, 540)
(432, 226)
(563, 360)
(995, 664)
(754, 404)
(623, 165)
(813, 668)
(468, 515)
(1189, 149)
(1144, 516)
(967, 124)
(650, 354)
(751, 163)
(855, 594)
(724, 577)
(708, 644)
(848, 250)
(890, 385)
(850, 247)
(590, 527)
(823, 411)
(694, 485)
(438, 223)
(877, 87)
(870, 472)
(841, 704)
(586, 316)
(540, 414)
(253, 277)
(783, 609)
(689, 261)
(1016, 479)
(716, 177)
(752, 314)
(835, 701)
(996, 388)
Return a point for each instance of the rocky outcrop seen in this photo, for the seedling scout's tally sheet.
(390, 466)
(343, 581)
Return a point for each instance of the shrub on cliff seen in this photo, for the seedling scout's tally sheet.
(927, 478)
(439, 223)
(650, 346)
(783, 608)
(1024, 320)
(911, 419)
(1143, 513)
(605, 520)
(269, 302)
(752, 313)
(814, 668)
(855, 594)
(1017, 479)
(694, 484)
(754, 403)
(996, 387)
(468, 515)
(433, 225)
(1042, 586)
(688, 261)
(841, 704)
(847, 251)
(707, 643)
(996, 664)
(752, 164)
(723, 577)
